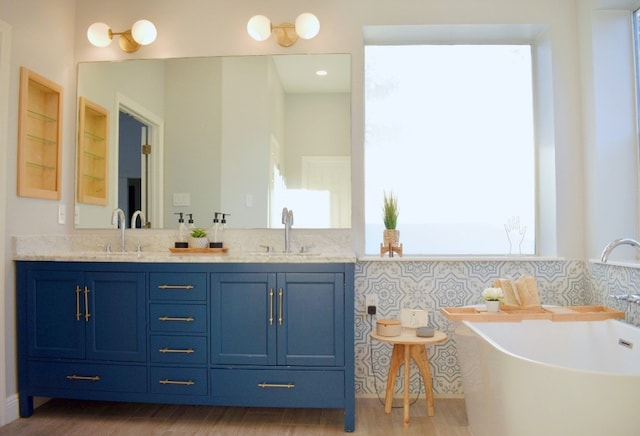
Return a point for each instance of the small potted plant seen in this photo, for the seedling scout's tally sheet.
(391, 235)
(492, 297)
(198, 238)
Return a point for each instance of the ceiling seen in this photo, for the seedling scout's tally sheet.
(298, 73)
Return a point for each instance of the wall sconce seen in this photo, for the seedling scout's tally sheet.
(306, 26)
(143, 32)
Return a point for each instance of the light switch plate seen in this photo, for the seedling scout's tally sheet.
(62, 216)
(182, 199)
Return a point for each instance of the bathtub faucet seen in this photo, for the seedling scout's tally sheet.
(609, 248)
(629, 298)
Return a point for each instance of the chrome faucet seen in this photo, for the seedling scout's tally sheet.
(117, 219)
(143, 219)
(287, 220)
(609, 248)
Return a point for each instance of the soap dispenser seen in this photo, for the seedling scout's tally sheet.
(223, 228)
(190, 224)
(214, 232)
(182, 233)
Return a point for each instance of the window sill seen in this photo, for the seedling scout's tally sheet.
(457, 258)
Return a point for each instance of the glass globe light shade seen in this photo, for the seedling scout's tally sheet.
(307, 25)
(98, 34)
(259, 27)
(144, 32)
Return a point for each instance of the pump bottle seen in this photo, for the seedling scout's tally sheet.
(190, 224)
(212, 233)
(182, 232)
(223, 228)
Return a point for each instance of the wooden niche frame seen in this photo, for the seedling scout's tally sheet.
(93, 153)
(39, 136)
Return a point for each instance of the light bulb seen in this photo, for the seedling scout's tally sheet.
(144, 32)
(259, 27)
(307, 25)
(99, 34)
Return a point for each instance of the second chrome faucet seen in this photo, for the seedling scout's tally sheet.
(287, 220)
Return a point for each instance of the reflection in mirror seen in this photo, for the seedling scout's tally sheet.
(245, 135)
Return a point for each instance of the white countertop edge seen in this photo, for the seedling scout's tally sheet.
(156, 257)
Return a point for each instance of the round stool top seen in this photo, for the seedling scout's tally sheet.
(408, 337)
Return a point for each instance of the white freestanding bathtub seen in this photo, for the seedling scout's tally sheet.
(545, 378)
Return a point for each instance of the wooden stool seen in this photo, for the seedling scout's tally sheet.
(408, 346)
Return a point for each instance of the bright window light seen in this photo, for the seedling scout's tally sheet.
(449, 129)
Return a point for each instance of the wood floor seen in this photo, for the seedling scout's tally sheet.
(93, 418)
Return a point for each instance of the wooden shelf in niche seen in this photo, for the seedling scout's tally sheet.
(39, 136)
(93, 153)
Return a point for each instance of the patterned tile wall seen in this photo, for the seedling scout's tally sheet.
(433, 284)
(608, 280)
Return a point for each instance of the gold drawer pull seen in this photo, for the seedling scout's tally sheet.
(169, 350)
(168, 318)
(276, 385)
(177, 382)
(81, 377)
(175, 287)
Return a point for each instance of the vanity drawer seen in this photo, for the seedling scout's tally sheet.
(179, 349)
(277, 388)
(88, 377)
(185, 318)
(179, 381)
(178, 286)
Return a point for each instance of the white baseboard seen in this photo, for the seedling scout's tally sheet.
(11, 412)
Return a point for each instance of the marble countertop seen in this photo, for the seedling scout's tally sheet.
(168, 257)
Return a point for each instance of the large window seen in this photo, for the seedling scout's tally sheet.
(449, 130)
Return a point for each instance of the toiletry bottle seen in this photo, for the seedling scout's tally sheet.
(223, 228)
(190, 224)
(213, 232)
(182, 232)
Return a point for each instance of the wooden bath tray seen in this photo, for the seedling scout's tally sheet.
(480, 314)
(558, 313)
(199, 250)
(583, 313)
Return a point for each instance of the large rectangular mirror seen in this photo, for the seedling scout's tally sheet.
(243, 135)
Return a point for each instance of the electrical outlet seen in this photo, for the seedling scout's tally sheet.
(370, 300)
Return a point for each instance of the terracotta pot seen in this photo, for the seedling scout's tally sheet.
(391, 237)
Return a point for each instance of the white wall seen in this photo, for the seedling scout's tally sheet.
(43, 41)
(47, 35)
(192, 138)
(611, 143)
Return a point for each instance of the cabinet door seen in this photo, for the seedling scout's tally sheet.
(117, 325)
(56, 322)
(312, 329)
(243, 312)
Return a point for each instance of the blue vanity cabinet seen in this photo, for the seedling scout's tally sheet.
(206, 333)
(72, 319)
(282, 336)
